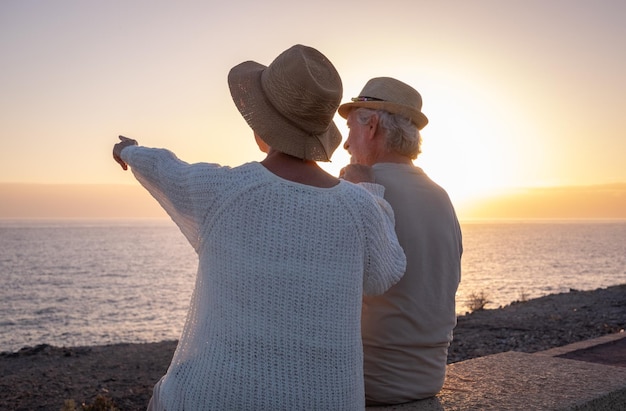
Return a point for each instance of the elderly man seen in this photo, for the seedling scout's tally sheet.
(406, 331)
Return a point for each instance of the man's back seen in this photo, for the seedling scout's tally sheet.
(407, 331)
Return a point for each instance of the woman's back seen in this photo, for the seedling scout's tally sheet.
(274, 321)
(285, 251)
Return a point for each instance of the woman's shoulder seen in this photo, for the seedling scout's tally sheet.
(361, 196)
(362, 190)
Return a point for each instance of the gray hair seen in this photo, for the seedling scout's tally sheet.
(402, 136)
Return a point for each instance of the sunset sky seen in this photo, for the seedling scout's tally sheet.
(519, 93)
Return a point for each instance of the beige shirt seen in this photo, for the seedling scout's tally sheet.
(407, 331)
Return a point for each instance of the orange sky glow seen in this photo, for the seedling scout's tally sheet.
(521, 96)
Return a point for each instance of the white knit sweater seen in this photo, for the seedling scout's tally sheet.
(274, 319)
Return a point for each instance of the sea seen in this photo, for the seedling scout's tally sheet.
(93, 282)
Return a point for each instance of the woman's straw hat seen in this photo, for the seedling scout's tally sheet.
(290, 104)
(389, 94)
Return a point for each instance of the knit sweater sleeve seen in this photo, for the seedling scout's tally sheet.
(172, 182)
(385, 260)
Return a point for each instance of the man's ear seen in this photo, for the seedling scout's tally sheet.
(372, 125)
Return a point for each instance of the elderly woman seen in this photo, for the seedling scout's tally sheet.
(286, 251)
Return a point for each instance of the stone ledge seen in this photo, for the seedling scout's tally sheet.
(521, 381)
(583, 345)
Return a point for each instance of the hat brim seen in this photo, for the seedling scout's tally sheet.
(417, 117)
(273, 128)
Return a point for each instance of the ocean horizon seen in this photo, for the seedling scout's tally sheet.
(80, 282)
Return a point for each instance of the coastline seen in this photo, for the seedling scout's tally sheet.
(44, 377)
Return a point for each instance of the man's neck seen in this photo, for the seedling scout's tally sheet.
(392, 157)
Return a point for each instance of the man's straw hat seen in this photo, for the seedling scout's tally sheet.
(389, 94)
(290, 104)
